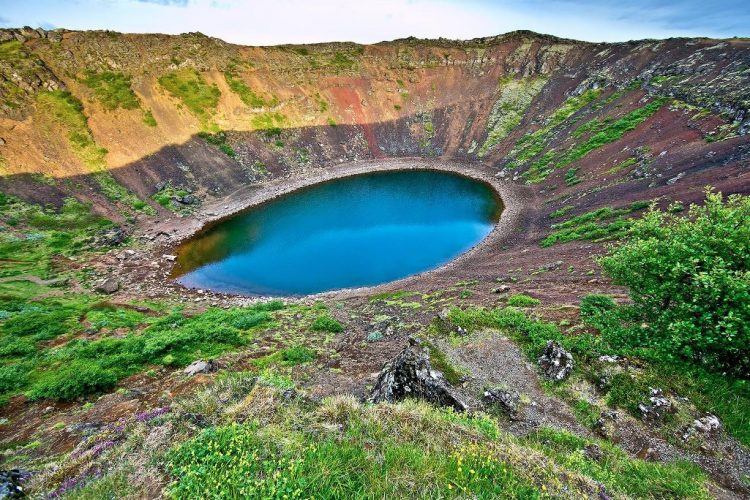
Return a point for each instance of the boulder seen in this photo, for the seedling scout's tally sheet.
(200, 366)
(111, 237)
(556, 362)
(108, 285)
(501, 289)
(11, 483)
(505, 400)
(410, 374)
(593, 452)
(708, 426)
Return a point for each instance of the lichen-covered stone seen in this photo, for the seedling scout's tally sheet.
(410, 375)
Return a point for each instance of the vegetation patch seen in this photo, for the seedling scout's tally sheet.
(613, 131)
(247, 95)
(521, 300)
(189, 86)
(67, 111)
(514, 99)
(622, 475)
(326, 323)
(600, 224)
(83, 366)
(113, 90)
(219, 139)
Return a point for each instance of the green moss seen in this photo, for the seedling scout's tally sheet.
(514, 99)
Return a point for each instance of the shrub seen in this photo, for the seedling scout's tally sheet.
(326, 323)
(297, 355)
(689, 278)
(521, 300)
(72, 381)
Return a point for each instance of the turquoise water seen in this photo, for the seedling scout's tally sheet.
(351, 232)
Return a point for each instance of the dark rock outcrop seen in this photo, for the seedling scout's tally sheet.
(410, 374)
(11, 483)
(505, 400)
(556, 363)
(656, 408)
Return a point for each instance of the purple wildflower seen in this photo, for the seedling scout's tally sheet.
(150, 415)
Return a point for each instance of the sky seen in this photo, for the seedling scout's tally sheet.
(271, 22)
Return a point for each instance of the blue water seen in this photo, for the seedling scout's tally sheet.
(351, 232)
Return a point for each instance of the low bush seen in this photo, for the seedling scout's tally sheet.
(325, 323)
(521, 300)
(297, 355)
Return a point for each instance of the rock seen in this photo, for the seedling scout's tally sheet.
(556, 362)
(708, 426)
(676, 178)
(189, 199)
(656, 408)
(551, 266)
(170, 258)
(2, 141)
(108, 285)
(410, 374)
(593, 452)
(505, 400)
(604, 424)
(111, 237)
(609, 359)
(161, 185)
(501, 289)
(200, 366)
(11, 483)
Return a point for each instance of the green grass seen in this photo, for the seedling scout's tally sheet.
(66, 110)
(189, 86)
(561, 212)
(270, 123)
(113, 90)
(81, 366)
(219, 139)
(148, 119)
(588, 226)
(571, 177)
(440, 362)
(621, 474)
(532, 144)
(521, 300)
(247, 95)
(613, 132)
